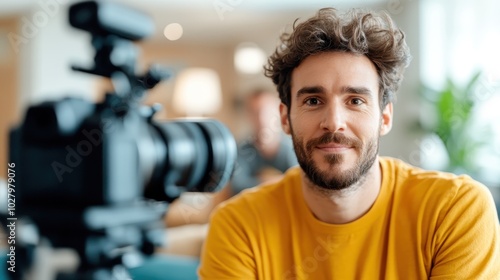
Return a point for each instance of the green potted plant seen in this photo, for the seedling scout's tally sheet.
(450, 115)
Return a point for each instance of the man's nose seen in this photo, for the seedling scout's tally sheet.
(334, 117)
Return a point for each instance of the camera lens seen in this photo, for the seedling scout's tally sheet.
(196, 156)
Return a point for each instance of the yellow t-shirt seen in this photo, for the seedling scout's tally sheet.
(423, 225)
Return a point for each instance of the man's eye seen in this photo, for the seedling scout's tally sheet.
(312, 101)
(357, 101)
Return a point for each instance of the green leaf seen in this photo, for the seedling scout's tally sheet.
(454, 106)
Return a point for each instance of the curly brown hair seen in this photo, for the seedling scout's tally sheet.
(367, 33)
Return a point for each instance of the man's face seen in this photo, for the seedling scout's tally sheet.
(335, 118)
(263, 113)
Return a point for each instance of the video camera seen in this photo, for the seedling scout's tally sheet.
(95, 177)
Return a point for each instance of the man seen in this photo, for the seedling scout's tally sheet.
(347, 213)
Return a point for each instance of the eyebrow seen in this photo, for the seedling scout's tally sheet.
(357, 90)
(345, 89)
(310, 90)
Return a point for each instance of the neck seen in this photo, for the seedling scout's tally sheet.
(347, 205)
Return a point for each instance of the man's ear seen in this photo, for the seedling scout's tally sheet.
(285, 124)
(386, 125)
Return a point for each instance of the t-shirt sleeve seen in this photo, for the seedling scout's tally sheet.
(467, 241)
(226, 252)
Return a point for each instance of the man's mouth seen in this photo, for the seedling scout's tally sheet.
(333, 147)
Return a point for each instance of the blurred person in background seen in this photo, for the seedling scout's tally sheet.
(267, 153)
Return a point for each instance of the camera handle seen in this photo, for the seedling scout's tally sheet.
(116, 59)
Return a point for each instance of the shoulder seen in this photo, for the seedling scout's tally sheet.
(435, 190)
(454, 218)
(404, 174)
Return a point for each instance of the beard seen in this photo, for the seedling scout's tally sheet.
(335, 179)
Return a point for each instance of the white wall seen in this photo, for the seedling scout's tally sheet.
(48, 46)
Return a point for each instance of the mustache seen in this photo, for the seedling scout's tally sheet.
(333, 137)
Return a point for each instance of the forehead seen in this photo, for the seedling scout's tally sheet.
(335, 70)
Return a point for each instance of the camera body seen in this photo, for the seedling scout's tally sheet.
(72, 154)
